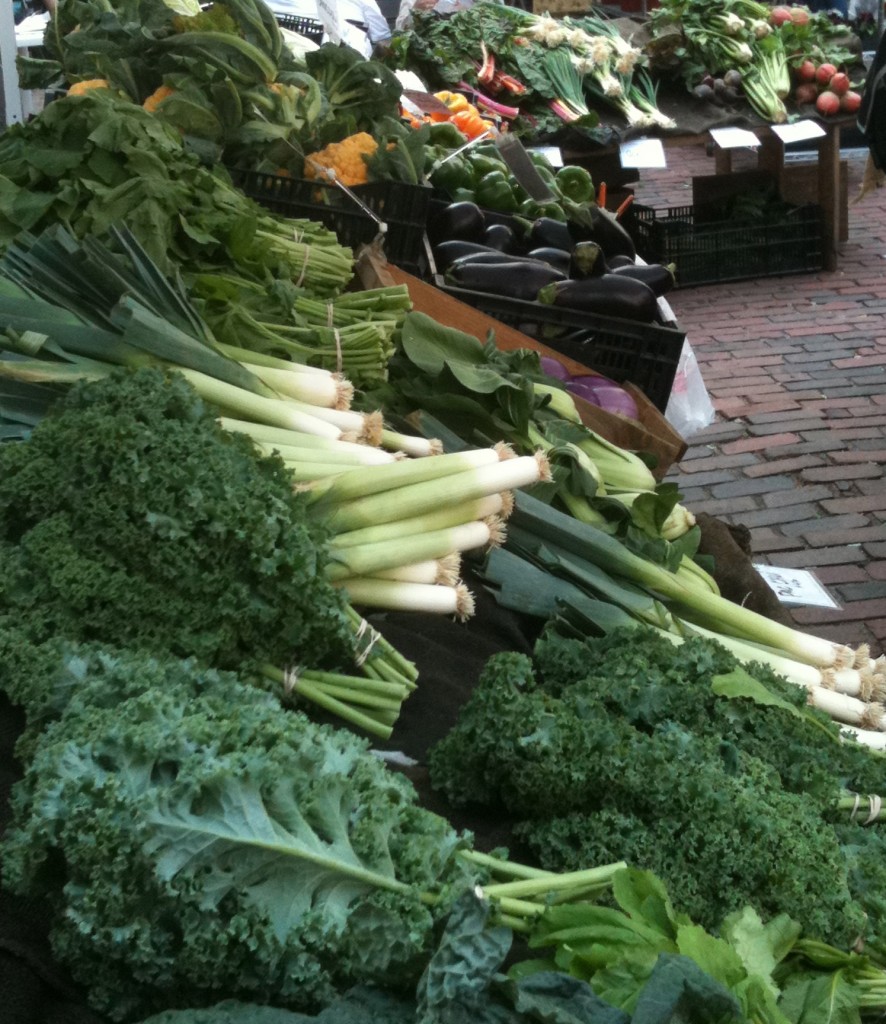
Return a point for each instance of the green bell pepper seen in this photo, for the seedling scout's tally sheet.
(444, 133)
(574, 183)
(483, 164)
(454, 173)
(533, 209)
(495, 192)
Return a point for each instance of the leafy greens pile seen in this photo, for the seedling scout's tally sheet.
(223, 78)
(130, 517)
(626, 747)
(199, 842)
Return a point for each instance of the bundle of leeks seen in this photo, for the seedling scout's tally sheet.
(595, 574)
(87, 310)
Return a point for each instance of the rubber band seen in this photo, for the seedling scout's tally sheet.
(290, 678)
(873, 810)
(339, 355)
(330, 315)
(304, 267)
(374, 637)
(854, 812)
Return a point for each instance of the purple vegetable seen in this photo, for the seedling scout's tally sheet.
(605, 394)
(554, 368)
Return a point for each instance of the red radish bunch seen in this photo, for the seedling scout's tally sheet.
(827, 87)
(796, 14)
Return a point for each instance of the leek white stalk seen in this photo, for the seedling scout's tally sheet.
(414, 597)
(417, 447)
(356, 455)
(344, 419)
(445, 570)
(419, 498)
(312, 388)
(276, 412)
(370, 559)
(850, 710)
(399, 474)
(873, 739)
(440, 519)
(280, 435)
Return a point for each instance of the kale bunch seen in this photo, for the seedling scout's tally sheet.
(131, 518)
(198, 842)
(619, 749)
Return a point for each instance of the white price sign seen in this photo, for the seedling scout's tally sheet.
(327, 11)
(796, 586)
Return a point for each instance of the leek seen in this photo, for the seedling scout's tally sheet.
(415, 597)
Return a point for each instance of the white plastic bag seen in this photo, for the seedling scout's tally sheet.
(689, 407)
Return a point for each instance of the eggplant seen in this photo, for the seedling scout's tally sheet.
(464, 220)
(587, 260)
(614, 262)
(545, 232)
(606, 295)
(659, 277)
(559, 258)
(517, 280)
(455, 248)
(494, 256)
(501, 237)
(603, 228)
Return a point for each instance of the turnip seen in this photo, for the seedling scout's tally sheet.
(807, 92)
(780, 15)
(824, 73)
(805, 72)
(800, 15)
(828, 103)
(839, 83)
(850, 101)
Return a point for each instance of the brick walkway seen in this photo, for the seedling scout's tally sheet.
(796, 368)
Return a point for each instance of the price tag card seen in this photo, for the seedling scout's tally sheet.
(551, 153)
(798, 131)
(642, 153)
(733, 138)
(796, 586)
(418, 102)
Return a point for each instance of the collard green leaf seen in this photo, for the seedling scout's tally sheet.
(714, 956)
(821, 999)
(456, 983)
(678, 990)
(761, 946)
(643, 896)
(555, 998)
(739, 683)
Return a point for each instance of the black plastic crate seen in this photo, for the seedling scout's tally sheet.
(706, 251)
(402, 207)
(310, 28)
(623, 350)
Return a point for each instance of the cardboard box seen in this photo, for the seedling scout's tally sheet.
(650, 433)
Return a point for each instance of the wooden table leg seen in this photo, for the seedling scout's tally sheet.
(829, 192)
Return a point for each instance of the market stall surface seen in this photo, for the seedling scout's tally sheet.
(796, 369)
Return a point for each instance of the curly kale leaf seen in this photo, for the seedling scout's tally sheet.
(198, 842)
(131, 518)
(620, 748)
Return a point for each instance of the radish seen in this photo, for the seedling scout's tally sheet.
(839, 83)
(807, 92)
(850, 101)
(806, 71)
(780, 15)
(828, 103)
(824, 73)
(800, 15)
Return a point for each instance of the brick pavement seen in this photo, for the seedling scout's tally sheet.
(796, 369)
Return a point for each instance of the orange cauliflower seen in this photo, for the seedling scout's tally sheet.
(345, 159)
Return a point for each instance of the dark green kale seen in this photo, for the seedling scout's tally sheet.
(129, 517)
(198, 842)
(619, 748)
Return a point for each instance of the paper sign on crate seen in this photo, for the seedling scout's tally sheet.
(796, 586)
